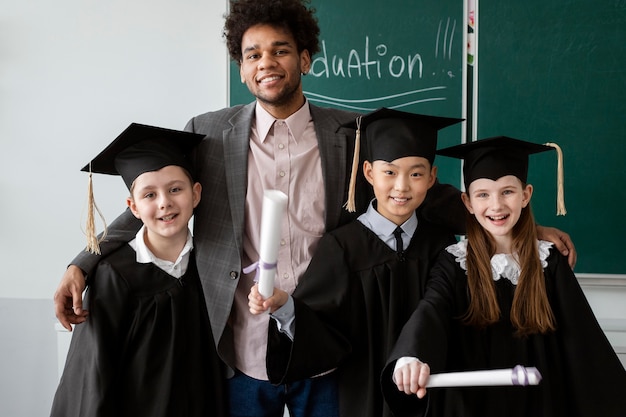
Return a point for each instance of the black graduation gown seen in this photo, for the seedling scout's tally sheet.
(582, 375)
(146, 348)
(350, 306)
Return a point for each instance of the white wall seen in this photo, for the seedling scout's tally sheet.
(73, 75)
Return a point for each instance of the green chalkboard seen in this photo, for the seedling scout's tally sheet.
(406, 55)
(556, 71)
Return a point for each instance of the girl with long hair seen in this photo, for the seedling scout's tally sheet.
(502, 298)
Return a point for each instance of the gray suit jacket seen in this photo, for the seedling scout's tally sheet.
(222, 161)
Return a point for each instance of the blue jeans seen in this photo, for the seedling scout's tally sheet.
(314, 397)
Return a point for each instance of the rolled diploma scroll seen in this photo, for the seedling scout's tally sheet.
(515, 376)
(273, 212)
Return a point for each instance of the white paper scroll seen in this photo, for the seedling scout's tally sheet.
(515, 376)
(273, 212)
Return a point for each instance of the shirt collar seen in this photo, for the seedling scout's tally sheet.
(385, 227)
(144, 255)
(297, 122)
(503, 265)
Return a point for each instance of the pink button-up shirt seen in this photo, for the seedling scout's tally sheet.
(284, 155)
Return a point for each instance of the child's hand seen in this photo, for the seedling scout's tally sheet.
(255, 301)
(258, 305)
(412, 378)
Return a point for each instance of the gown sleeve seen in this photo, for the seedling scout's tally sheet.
(86, 387)
(425, 335)
(594, 373)
(321, 312)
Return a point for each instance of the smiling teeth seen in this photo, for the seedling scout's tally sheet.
(498, 217)
(269, 79)
(167, 218)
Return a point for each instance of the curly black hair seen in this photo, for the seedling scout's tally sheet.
(291, 15)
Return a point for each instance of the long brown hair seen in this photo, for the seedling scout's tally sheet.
(531, 312)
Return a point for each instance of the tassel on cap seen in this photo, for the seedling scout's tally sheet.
(389, 134)
(351, 204)
(560, 196)
(93, 242)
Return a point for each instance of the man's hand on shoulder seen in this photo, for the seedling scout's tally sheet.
(68, 298)
(561, 240)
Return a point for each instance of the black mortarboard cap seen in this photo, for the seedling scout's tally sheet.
(142, 148)
(390, 134)
(499, 156)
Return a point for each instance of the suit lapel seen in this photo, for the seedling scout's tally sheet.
(236, 146)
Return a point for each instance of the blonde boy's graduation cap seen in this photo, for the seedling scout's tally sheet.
(496, 157)
(142, 148)
(390, 134)
(138, 149)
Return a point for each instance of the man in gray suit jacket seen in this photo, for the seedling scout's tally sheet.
(272, 58)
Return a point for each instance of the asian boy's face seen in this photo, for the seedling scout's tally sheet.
(164, 200)
(400, 186)
(271, 68)
(497, 205)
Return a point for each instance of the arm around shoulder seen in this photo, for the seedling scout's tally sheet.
(68, 301)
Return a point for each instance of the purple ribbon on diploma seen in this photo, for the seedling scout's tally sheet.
(522, 376)
(257, 266)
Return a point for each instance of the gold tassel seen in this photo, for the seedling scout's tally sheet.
(560, 196)
(350, 204)
(93, 242)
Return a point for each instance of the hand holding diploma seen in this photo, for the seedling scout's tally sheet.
(518, 375)
(413, 377)
(257, 304)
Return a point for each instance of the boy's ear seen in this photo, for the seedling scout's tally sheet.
(367, 172)
(132, 206)
(433, 176)
(197, 194)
